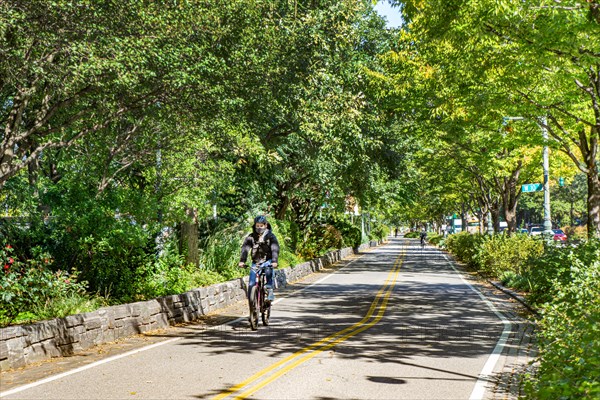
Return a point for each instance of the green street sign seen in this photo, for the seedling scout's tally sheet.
(532, 187)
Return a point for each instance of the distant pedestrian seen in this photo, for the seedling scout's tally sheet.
(396, 232)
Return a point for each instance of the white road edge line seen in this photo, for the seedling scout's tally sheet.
(118, 356)
(80, 369)
(479, 389)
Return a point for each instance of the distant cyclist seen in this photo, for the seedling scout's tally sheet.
(264, 248)
(423, 237)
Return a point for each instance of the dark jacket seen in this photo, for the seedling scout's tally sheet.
(263, 248)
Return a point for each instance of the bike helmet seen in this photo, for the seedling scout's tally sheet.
(261, 219)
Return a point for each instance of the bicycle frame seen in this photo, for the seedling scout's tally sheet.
(256, 298)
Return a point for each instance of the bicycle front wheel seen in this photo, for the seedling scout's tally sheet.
(266, 311)
(253, 304)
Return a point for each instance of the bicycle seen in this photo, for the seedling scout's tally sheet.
(257, 298)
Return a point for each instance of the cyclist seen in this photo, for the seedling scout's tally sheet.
(423, 237)
(264, 248)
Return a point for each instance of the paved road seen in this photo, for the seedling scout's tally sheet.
(398, 322)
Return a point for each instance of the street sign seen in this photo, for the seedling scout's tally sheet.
(532, 187)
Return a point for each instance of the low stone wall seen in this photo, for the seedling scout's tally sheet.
(25, 344)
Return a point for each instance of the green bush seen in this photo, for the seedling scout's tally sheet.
(513, 280)
(287, 233)
(412, 235)
(500, 253)
(575, 233)
(434, 238)
(570, 338)
(220, 251)
(555, 267)
(30, 285)
(379, 231)
(466, 247)
(319, 239)
(166, 274)
(62, 306)
(109, 260)
(351, 235)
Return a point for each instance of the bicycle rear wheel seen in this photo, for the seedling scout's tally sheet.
(253, 305)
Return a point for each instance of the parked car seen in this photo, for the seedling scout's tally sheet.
(559, 235)
(536, 230)
(523, 230)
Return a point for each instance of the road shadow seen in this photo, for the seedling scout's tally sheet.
(431, 313)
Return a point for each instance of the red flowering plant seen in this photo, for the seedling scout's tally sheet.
(28, 285)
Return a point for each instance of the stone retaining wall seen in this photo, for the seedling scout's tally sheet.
(25, 344)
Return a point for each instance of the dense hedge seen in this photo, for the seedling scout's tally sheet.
(564, 283)
(570, 337)
(465, 247)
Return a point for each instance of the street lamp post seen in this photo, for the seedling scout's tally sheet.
(546, 161)
(546, 165)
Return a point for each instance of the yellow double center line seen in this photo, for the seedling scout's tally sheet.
(378, 306)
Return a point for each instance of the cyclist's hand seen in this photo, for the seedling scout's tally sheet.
(242, 264)
(274, 265)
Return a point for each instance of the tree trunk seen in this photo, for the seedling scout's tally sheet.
(463, 217)
(510, 197)
(593, 203)
(189, 237)
(511, 218)
(282, 208)
(496, 218)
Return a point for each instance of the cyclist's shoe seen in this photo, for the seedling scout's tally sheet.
(270, 294)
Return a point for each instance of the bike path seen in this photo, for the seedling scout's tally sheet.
(398, 322)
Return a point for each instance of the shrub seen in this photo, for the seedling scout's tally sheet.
(515, 281)
(58, 307)
(220, 251)
(555, 267)
(164, 275)
(30, 284)
(434, 238)
(570, 338)
(465, 246)
(412, 235)
(351, 235)
(379, 231)
(575, 232)
(287, 233)
(500, 253)
(319, 239)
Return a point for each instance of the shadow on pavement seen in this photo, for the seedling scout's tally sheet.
(431, 313)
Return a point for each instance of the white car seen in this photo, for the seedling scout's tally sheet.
(536, 230)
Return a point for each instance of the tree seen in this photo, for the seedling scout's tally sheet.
(536, 58)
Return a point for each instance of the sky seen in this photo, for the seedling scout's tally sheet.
(392, 15)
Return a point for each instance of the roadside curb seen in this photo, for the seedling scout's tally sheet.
(515, 296)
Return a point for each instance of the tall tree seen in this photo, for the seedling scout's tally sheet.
(537, 58)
